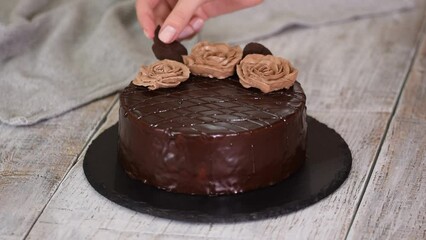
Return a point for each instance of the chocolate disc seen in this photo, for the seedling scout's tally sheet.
(171, 51)
(255, 48)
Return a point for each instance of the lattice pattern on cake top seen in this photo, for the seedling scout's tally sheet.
(210, 106)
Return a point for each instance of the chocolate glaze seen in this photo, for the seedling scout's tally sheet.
(210, 136)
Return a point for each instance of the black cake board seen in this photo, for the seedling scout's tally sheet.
(327, 165)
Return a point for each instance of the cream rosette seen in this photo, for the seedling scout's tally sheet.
(214, 60)
(162, 74)
(266, 72)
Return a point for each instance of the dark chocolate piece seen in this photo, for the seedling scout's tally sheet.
(173, 51)
(211, 137)
(255, 48)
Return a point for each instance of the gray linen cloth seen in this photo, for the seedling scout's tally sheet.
(56, 55)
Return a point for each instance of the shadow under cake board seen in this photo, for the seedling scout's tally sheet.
(327, 165)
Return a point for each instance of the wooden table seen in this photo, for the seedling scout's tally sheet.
(366, 78)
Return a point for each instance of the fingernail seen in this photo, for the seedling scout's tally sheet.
(186, 32)
(197, 24)
(167, 34)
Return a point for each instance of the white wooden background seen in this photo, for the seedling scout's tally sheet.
(366, 78)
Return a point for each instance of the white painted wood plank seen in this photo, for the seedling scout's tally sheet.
(34, 159)
(331, 60)
(394, 206)
(413, 100)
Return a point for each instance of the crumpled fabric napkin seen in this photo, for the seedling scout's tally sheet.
(56, 55)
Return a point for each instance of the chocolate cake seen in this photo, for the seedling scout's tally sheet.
(210, 136)
(189, 124)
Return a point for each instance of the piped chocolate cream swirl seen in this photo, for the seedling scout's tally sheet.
(266, 72)
(162, 74)
(213, 60)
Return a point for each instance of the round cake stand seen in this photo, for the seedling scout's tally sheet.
(327, 165)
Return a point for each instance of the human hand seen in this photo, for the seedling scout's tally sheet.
(181, 19)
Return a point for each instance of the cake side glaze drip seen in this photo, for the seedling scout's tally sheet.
(211, 136)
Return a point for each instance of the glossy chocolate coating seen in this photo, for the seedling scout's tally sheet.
(210, 136)
(255, 48)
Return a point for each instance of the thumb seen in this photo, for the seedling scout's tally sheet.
(178, 19)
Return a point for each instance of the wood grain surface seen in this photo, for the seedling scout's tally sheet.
(78, 210)
(352, 72)
(35, 159)
(394, 206)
